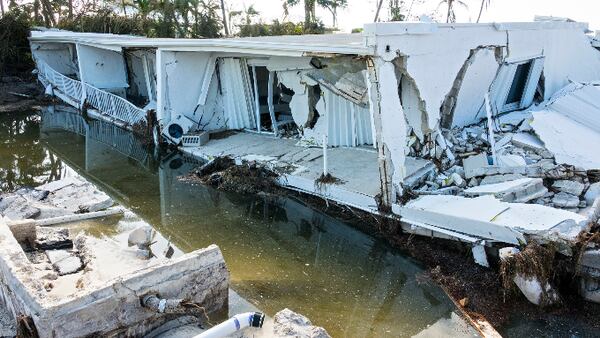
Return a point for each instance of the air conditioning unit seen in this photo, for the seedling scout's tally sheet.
(177, 128)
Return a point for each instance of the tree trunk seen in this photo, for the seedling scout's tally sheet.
(70, 4)
(307, 13)
(36, 11)
(334, 17)
(480, 10)
(378, 10)
(449, 11)
(224, 18)
(2, 7)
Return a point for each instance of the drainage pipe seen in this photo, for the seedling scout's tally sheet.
(234, 324)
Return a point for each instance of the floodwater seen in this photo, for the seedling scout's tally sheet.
(280, 252)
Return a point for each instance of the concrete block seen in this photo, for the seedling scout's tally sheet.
(521, 190)
(474, 164)
(592, 193)
(564, 200)
(64, 262)
(570, 187)
(533, 290)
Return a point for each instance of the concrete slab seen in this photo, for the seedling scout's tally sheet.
(356, 168)
(520, 190)
(488, 218)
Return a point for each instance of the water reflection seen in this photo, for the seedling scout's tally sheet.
(280, 252)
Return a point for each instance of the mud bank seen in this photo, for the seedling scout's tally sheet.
(20, 93)
(478, 291)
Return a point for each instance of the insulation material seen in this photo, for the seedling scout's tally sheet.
(237, 94)
(569, 126)
(345, 123)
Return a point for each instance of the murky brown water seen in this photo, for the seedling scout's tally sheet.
(280, 252)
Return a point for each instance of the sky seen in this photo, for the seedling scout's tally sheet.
(363, 11)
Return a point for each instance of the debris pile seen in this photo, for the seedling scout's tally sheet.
(515, 171)
(247, 177)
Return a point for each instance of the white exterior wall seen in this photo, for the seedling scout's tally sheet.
(433, 55)
(180, 77)
(102, 68)
(62, 57)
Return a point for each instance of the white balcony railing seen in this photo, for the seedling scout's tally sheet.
(107, 103)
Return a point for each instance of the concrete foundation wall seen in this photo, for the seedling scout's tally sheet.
(200, 277)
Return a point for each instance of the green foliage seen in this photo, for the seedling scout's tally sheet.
(15, 55)
(280, 28)
(105, 21)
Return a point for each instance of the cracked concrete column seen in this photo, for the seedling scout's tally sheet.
(390, 127)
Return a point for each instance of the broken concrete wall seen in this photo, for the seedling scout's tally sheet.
(567, 51)
(390, 127)
(436, 54)
(62, 57)
(102, 68)
(465, 101)
(115, 306)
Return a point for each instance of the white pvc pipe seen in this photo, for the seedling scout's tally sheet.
(324, 144)
(234, 324)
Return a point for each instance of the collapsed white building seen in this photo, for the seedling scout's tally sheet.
(375, 110)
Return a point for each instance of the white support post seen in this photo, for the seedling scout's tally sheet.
(270, 102)
(83, 92)
(161, 114)
(147, 78)
(256, 99)
(325, 169)
(490, 123)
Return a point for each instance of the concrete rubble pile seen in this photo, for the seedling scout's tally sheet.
(536, 177)
(60, 279)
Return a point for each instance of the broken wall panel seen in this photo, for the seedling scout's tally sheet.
(345, 123)
(60, 56)
(182, 79)
(480, 71)
(102, 68)
(433, 58)
(566, 49)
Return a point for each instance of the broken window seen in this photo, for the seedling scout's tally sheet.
(516, 85)
(271, 98)
(515, 94)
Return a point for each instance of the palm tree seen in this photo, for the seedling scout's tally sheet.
(309, 10)
(332, 6)
(484, 3)
(450, 14)
(224, 18)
